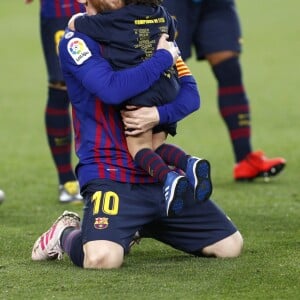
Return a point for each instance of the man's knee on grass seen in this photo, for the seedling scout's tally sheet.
(103, 255)
(229, 247)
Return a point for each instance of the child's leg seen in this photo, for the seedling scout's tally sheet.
(175, 185)
(140, 148)
(197, 169)
(172, 155)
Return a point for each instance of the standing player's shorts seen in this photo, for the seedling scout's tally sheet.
(115, 211)
(52, 30)
(208, 25)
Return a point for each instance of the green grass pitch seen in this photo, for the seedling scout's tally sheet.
(267, 214)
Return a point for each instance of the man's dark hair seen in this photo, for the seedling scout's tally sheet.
(145, 2)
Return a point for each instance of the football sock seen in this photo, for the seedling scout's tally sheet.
(234, 106)
(173, 156)
(152, 163)
(58, 127)
(71, 243)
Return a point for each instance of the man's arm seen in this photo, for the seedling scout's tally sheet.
(187, 100)
(80, 56)
(114, 87)
(139, 120)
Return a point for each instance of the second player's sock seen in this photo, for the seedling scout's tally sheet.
(58, 127)
(233, 105)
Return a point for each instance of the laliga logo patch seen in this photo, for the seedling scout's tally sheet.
(78, 50)
(101, 223)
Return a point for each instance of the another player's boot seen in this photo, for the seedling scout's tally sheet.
(198, 174)
(256, 164)
(69, 192)
(174, 189)
(47, 246)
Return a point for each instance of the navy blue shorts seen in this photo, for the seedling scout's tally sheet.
(210, 26)
(52, 30)
(115, 211)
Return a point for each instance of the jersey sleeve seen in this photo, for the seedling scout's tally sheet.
(80, 56)
(95, 26)
(187, 100)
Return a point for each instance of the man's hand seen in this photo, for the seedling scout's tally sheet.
(163, 43)
(28, 1)
(139, 119)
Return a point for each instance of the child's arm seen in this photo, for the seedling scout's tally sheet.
(94, 26)
(71, 23)
(186, 102)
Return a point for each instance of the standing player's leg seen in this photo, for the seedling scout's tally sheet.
(218, 39)
(57, 114)
(235, 110)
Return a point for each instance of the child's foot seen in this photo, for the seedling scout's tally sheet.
(174, 188)
(198, 174)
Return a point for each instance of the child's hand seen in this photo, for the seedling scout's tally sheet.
(71, 24)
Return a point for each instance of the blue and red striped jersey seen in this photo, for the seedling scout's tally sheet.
(95, 90)
(60, 8)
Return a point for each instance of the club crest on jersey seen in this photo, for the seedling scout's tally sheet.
(78, 50)
(101, 223)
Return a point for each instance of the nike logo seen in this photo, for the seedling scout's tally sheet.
(108, 169)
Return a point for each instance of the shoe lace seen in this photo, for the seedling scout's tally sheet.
(71, 220)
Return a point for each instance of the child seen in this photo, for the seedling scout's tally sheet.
(128, 36)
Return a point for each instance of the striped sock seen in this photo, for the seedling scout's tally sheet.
(58, 127)
(173, 156)
(234, 106)
(151, 162)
